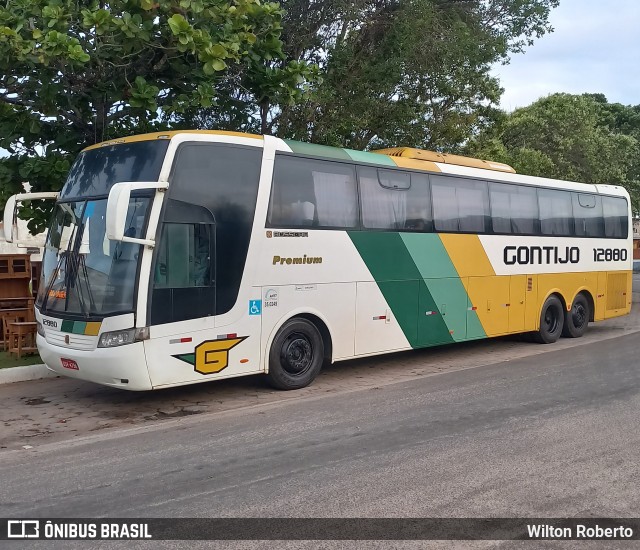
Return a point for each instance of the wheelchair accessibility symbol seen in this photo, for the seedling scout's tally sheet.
(255, 307)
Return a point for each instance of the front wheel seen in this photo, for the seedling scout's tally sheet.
(296, 355)
(577, 318)
(551, 321)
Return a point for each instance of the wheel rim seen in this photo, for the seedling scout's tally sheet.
(578, 315)
(551, 319)
(296, 354)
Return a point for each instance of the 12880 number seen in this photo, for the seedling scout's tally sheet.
(609, 254)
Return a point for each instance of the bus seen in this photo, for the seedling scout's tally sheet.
(188, 256)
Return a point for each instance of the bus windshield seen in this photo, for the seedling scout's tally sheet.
(84, 273)
(95, 171)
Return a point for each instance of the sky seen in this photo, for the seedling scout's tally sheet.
(594, 48)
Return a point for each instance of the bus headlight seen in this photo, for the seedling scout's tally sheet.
(40, 328)
(117, 338)
(123, 337)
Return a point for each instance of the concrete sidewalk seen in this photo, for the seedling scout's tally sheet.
(24, 374)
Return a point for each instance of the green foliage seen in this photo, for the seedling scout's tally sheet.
(75, 73)
(392, 72)
(571, 137)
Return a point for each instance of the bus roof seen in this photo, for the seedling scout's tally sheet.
(403, 157)
(405, 152)
(167, 135)
(445, 158)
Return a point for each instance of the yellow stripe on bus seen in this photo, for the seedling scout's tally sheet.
(92, 329)
(467, 254)
(404, 162)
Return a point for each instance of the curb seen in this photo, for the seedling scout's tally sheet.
(24, 374)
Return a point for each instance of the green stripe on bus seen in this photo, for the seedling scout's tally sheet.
(421, 285)
(402, 286)
(441, 277)
(187, 358)
(429, 255)
(317, 150)
(371, 158)
(386, 255)
(78, 327)
(67, 326)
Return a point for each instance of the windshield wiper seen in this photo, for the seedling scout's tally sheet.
(56, 272)
(80, 263)
(54, 276)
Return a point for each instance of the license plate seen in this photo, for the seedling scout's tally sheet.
(69, 364)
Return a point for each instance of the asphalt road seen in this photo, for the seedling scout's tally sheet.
(551, 435)
(39, 412)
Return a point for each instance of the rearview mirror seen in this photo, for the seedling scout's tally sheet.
(10, 219)
(117, 206)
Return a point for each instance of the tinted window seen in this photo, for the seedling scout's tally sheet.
(419, 207)
(394, 179)
(184, 271)
(312, 193)
(445, 206)
(473, 204)
(616, 217)
(96, 171)
(556, 213)
(514, 209)
(223, 179)
(184, 256)
(391, 199)
(587, 213)
(459, 204)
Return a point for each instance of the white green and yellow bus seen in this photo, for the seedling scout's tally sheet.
(183, 257)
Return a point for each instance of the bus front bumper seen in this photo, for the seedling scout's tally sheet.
(122, 367)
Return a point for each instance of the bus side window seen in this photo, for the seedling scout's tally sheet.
(459, 205)
(514, 209)
(473, 205)
(556, 212)
(616, 217)
(587, 213)
(383, 198)
(445, 205)
(309, 192)
(419, 208)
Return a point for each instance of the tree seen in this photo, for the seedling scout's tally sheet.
(394, 72)
(75, 73)
(571, 137)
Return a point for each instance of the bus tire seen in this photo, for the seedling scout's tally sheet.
(551, 321)
(296, 355)
(576, 319)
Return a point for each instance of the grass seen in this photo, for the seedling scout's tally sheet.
(8, 360)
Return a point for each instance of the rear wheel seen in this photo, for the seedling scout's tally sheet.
(296, 355)
(576, 319)
(551, 321)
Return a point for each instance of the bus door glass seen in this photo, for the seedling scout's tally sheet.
(184, 268)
